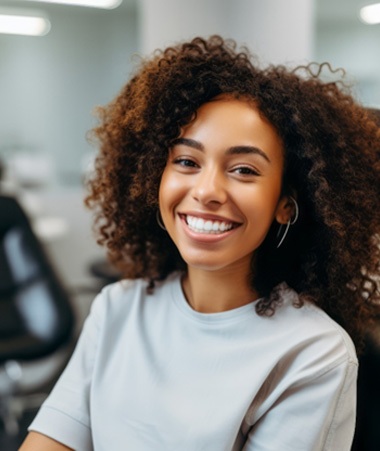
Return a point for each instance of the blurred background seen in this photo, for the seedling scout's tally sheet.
(76, 57)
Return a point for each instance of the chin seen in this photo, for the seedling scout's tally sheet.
(203, 264)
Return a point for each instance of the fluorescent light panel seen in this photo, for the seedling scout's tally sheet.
(370, 14)
(105, 4)
(24, 25)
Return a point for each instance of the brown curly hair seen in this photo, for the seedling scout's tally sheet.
(332, 163)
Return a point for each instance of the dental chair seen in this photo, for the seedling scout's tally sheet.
(36, 315)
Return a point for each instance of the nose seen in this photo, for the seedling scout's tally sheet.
(210, 187)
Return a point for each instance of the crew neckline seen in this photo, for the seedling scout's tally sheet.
(179, 299)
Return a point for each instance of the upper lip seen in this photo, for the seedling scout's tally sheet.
(208, 217)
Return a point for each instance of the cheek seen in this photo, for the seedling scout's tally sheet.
(169, 191)
(260, 204)
(161, 197)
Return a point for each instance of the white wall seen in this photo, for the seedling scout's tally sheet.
(277, 31)
(353, 46)
(49, 85)
(165, 22)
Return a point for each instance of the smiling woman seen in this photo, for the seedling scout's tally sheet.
(241, 204)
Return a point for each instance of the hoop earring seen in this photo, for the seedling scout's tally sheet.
(289, 223)
(159, 220)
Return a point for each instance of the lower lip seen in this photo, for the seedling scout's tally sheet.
(205, 237)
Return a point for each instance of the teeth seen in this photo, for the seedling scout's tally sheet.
(208, 226)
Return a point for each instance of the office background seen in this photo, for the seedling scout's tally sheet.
(50, 85)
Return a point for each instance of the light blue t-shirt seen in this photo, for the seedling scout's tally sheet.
(151, 374)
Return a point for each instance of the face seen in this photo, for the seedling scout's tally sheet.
(220, 190)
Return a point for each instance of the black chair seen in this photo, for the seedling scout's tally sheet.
(36, 314)
(367, 435)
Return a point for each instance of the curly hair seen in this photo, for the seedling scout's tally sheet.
(332, 162)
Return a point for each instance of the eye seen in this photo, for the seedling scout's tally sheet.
(245, 171)
(185, 162)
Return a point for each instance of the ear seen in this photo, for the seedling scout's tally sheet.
(285, 210)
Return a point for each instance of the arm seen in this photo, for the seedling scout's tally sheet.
(312, 414)
(39, 442)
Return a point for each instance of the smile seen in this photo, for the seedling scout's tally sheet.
(208, 226)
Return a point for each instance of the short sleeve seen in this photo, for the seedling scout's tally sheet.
(65, 415)
(311, 415)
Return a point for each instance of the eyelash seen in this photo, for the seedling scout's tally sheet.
(246, 171)
(243, 171)
(185, 162)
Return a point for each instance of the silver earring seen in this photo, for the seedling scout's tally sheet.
(289, 223)
(159, 220)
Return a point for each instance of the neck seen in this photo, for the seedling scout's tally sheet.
(217, 291)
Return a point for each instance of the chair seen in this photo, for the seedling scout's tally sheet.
(36, 315)
(367, 435)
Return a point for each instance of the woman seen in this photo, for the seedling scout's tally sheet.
(242, 205)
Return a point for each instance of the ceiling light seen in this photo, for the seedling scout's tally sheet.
(105, 4)
(370, 14)
(24, 25)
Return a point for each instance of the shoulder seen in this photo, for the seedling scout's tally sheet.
(129, 297)
(311, 334)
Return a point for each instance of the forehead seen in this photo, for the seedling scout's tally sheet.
(229, 106)
(227, 121)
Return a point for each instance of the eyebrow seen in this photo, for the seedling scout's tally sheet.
(235, 150)
(190, 143)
